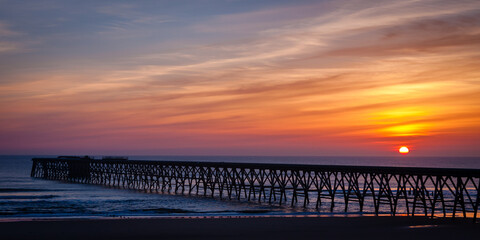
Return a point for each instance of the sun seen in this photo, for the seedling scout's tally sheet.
(403, 150)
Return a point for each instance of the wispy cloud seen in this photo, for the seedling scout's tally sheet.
(7, 39)
(129, 19)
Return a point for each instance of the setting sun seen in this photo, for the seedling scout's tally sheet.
(403, 150)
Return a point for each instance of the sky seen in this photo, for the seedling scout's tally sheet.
(326, 78)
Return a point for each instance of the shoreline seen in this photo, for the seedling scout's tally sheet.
(258, 227)
(216, 216)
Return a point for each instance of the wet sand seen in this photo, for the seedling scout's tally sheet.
(406, 228)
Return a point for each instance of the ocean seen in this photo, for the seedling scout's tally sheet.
(23, 197)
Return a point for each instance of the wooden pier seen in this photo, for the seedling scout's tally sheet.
(392, 190)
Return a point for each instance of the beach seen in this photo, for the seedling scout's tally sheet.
(375, 227)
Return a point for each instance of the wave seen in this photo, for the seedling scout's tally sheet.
(7, 190)
(13, 190)
(254, 211)
(164, 210)
(27, 197)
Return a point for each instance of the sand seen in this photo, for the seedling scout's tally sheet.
(405, 228)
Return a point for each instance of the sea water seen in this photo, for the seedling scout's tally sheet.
(23, 197)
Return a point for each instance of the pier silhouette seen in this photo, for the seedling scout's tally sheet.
(393, 190)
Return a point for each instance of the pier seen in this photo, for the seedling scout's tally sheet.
(379, 190)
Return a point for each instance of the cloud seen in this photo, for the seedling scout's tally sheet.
(424, 35)
(5, 31)
(128, 19)
(8, 42)
(9, 47)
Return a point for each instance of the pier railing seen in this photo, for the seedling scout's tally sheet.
(392, 190)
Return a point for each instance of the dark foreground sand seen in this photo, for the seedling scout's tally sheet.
(405, 228)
